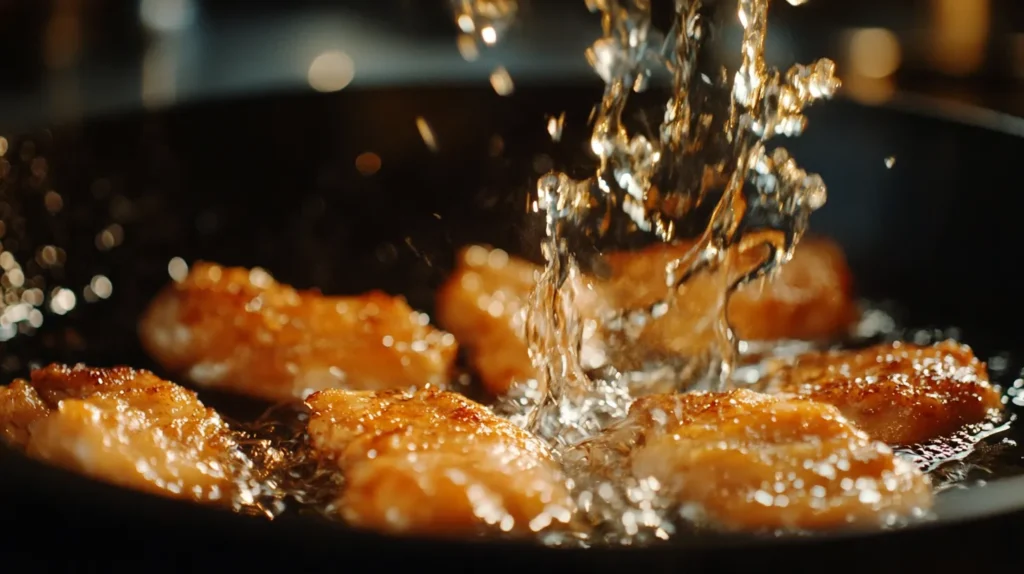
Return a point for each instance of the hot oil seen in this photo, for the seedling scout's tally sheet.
(710, 152)
(287, 475)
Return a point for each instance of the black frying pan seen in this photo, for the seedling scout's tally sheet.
(272, 182)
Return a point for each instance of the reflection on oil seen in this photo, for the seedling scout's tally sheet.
(484, 20)
(426, 133)
(501, 81)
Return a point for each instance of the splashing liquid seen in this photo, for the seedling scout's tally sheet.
(711, 144)
(710, 150)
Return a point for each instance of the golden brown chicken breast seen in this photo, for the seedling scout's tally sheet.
(123, 426)
(744, 460)
(482, 305)
(434, 462)
(240, 330)
(899, 393)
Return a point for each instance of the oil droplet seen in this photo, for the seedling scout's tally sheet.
(101, 286)
(890, 161)
(489, 35)
(555, 125)
(501, 81)
(368, 163)
(486, 20)
(331, 71)
(467, 48)
(53, 201)
(110, 237)
(177, 269)
(62, 300)
(426, 133)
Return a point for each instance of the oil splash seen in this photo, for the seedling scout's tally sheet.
(711, 144)
(711, 148)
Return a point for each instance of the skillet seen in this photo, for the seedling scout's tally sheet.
(271, 181)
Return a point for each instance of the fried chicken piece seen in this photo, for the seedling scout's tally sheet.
(240, 330)
(897, 392)
(482, 305)
(810, 299)
(434, 462)
(748, 461)
(123, 426)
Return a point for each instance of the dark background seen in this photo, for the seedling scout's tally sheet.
(65, 58)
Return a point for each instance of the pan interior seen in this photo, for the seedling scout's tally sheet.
(275, 182)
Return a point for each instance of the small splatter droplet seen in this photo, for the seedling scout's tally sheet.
(177, 269)
(555, 125)
(501, 81)
(426, 133)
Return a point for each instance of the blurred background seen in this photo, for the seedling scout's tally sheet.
(69, 58)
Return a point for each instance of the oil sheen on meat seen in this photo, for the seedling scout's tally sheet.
(124, 426)
(899, 393)
(240, 330)
(434, 462)
(749, 461)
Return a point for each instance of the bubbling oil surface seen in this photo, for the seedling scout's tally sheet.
(711, 147)
(615, 507)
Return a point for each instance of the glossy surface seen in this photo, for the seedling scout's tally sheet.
(434, 462)
(899, 393)
(811, 298)
(483, 300)
(271, 182)
(483, 304)
(751, 461)
(126, 427)
(240, 330)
